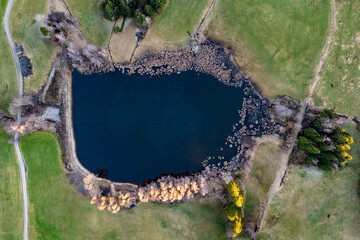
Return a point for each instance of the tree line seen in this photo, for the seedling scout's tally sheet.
(113, 9)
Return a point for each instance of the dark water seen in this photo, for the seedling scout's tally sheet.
(139, 127)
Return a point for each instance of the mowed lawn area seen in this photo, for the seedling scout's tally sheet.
(8, 79)
(277, 43)
(262, 174)
(300, 210)
(339, 84)
(94, 26)
(25, 31)
(57, 211)
(11, 214)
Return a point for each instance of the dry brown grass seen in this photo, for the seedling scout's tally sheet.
(122, 44)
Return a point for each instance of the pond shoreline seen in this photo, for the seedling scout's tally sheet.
(210, 58)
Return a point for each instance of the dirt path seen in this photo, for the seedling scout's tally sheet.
(20, 159)
(285, 160)
(325, 50)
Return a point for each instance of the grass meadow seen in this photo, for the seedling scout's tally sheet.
(94, 26)
(263, 171)
(169, 29)
(11, 214)
(277, 43)
(339, 84)
(300, 210)
(8, 78)
(57, 211)
(179, 16)
(25, 31)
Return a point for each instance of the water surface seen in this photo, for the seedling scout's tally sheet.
(139, 127)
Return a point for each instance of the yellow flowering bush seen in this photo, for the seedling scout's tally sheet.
(233, 210)
(349, 140)
(239, 201)
(233, 189)
(236, 227)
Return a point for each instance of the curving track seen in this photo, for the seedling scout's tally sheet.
(17, 148)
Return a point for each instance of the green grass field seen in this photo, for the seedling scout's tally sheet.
(96, 29)
(179, 17)
(300, 209)
(57, 211)
(262, 174)
(8, 80)
(25, 31)
(278, 43)
(339, 85)
(11, 215)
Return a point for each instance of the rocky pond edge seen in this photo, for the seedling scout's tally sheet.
(209, 58)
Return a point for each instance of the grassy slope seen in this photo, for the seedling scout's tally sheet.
(339, 70)
(263, 171)
(179, 17)
(8, 80)
(95, 28)
(25, 31)
(278, 43)
(57, 211)
(300, 209)
(11, 217)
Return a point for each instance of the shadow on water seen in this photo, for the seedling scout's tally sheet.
(139, 127)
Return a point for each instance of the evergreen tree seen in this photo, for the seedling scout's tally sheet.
(140, 19)
(149, 11)
(307, 145)
(125, 9)
(313, 135)
(157, 4)
(109, 10)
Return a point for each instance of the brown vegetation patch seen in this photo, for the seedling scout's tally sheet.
(122, 44)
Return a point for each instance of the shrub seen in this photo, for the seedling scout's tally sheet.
(140, 19)
(329, 113)
(238, 176)
(233, 189)
(325, 160)
(311, 158)
(134, 4)
(232, 212)
(157, 4)
(318, 124)
(340, 136)
(44, 31)
(149, 11)
(116, 29)
(236, 227)
(325, 165)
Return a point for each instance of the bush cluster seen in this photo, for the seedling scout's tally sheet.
(325, 153)
(233, 209)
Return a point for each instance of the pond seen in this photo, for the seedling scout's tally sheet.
(140, 127)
